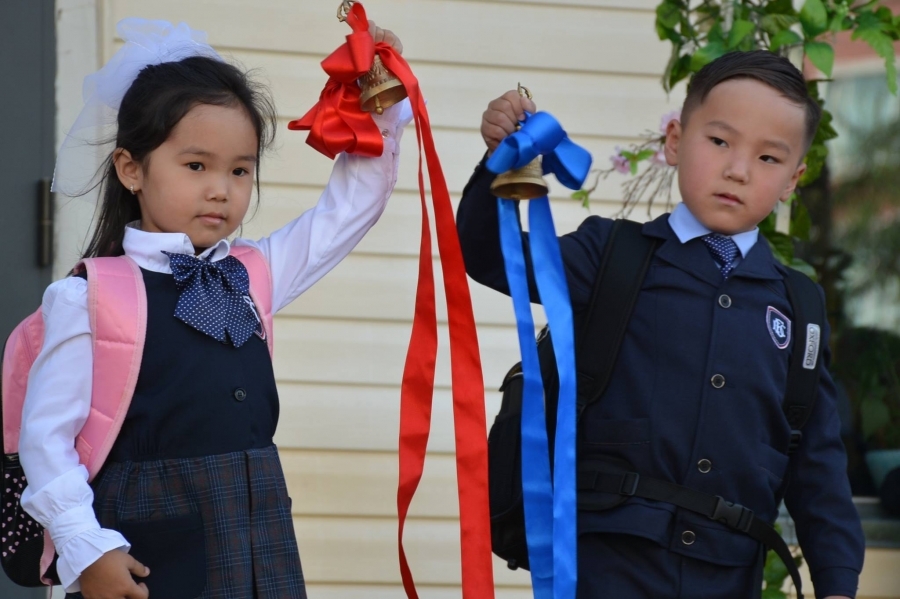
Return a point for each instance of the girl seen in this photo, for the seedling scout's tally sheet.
(194, 477)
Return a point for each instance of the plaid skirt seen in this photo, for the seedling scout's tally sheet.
(216, 527)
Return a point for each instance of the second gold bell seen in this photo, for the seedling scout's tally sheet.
(524, 183)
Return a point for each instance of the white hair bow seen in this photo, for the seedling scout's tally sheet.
(147, 42)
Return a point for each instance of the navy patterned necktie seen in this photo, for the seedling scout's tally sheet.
(724, 250)
(214, 297)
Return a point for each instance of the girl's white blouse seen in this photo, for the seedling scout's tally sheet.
(59, 385)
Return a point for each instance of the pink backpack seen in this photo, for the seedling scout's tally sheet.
(117, 304)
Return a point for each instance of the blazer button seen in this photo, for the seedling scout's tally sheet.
(688, 537)
(724, 301)
(704, 466)
(718, 381)
(240, 394)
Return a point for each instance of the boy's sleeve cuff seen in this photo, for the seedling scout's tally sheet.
(835, 581)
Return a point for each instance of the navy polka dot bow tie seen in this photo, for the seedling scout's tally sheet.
(214, 297)
(724, 250)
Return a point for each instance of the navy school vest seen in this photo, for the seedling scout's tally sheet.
(195, 396)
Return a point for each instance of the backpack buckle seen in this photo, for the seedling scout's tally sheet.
(794, 444)
(733, 515)
(629, 484)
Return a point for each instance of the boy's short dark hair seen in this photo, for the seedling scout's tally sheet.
(767, 67)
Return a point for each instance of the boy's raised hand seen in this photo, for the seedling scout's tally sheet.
(502, 116)
(110, 577)
(385, 35)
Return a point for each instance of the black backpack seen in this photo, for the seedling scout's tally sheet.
(599, 335)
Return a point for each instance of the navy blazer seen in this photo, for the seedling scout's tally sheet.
(662, 413)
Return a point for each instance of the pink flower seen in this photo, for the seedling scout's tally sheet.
(620, 163)
(667, 118)
(659, 159)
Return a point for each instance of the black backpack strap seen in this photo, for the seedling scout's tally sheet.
(714, 507)
(625, 261)
(807, 352)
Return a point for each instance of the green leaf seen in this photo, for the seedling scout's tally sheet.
(681, 68)
(634, 167)
(782, 246)
(740, 29)
(874, 415)
(871, 33)
(826, 130)
(801, 223)
(775, 571)
(706, 55)
(780, 7)
(820, 54)
(804, 267)
(814, 18)
(815, 160)
(774, 24)
(785, 37)
(644, 155)
(668, 14)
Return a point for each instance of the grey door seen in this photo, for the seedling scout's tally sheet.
(27, 120)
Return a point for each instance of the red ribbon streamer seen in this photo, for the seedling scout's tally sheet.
(336, 124)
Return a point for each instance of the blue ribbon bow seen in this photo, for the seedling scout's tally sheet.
(214, 297)
(549, 500)
(541, 134)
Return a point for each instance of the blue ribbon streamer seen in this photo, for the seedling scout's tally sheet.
(550, 504)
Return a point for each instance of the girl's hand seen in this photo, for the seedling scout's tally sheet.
(502, 116)
(385, 35)
(110, 578)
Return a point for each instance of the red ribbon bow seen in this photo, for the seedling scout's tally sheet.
(337, 123)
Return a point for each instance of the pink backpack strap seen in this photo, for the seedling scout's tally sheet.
(117, 308)
(22, 348)
(260, 285)
(117, 305)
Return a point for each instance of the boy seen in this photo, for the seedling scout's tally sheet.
(696, 395)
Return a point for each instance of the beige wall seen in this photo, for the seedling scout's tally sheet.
(340, 348)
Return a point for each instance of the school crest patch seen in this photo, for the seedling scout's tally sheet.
(779, 327)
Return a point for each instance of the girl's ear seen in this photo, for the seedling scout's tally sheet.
(673, 138)
(129, 170)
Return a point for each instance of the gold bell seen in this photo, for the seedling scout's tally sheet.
(380, 88)
(525, 183)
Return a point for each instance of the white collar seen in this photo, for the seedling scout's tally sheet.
(147, 248)
(687, 227)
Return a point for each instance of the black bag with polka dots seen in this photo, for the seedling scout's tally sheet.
(21, 538)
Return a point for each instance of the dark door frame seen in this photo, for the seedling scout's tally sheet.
(27, 150)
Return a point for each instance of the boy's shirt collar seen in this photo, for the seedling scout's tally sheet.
(146, 248)
(687, 227)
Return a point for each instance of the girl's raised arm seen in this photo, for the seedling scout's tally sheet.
(301, 252)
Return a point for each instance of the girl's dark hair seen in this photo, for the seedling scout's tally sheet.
(767, 67)
(159, 98)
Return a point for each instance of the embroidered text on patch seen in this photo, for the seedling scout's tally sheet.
(811, 351)
(779, 327)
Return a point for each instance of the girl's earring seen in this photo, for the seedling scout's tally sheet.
(132, 189)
